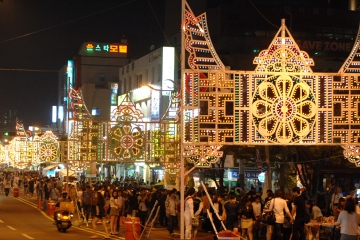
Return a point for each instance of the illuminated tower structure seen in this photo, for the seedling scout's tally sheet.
(324, 29)
(94, 70)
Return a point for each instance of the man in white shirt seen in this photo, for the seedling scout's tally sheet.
(279, 205)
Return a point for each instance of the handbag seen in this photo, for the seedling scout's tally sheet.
(268, 217)
(195, 221)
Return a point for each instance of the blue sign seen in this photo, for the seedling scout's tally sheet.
(247, 174)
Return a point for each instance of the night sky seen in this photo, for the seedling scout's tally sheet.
(41, 35)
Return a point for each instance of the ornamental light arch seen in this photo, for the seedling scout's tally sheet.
(281, 102)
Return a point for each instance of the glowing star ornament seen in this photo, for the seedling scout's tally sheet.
(202, 156)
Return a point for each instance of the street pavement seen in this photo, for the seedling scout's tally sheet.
(21, 218)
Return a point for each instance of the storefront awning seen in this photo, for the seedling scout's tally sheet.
(54, 165)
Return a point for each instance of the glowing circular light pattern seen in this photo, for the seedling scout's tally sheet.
(284, 109)
(126, 142)
(202, 156)
(48, 147)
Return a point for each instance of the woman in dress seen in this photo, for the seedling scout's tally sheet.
(99, 214)
(114, 212)
(349, 221)
(247, 219)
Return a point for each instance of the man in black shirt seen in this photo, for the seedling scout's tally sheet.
(231, 213)
(299, 210)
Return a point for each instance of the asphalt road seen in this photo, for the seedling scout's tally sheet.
(20, 219)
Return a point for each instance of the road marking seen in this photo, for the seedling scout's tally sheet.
(11, 228)
(27, 236)
(1, 221)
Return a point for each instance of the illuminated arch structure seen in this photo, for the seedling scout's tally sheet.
(281, 102)
(124, 139)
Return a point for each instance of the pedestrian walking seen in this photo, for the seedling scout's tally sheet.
(279, 206)
(99, 214)
(7, 186)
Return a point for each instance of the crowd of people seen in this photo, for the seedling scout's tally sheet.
(243, 212)
(236, 210)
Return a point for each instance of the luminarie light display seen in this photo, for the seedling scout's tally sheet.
(281, 102)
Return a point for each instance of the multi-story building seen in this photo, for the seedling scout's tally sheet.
(94, 71)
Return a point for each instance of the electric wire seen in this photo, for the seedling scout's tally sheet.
(262, 15)
(162, 30)
(28, 70)
(67, 22)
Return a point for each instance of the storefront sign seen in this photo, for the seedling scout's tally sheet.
(325, 46)
(247, 174)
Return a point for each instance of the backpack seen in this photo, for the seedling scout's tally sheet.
(93, 199)
(87, 197)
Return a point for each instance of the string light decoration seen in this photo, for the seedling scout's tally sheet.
(202, 156)
(281, 102)
(77, 108)
(81, 150)
(126, 139)
(21, 150)
(2, 154)
(352, 154)
(172, 167)
(198, 43)
(49, 147)
(351, 65)
(127, 111)
(284, 109)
